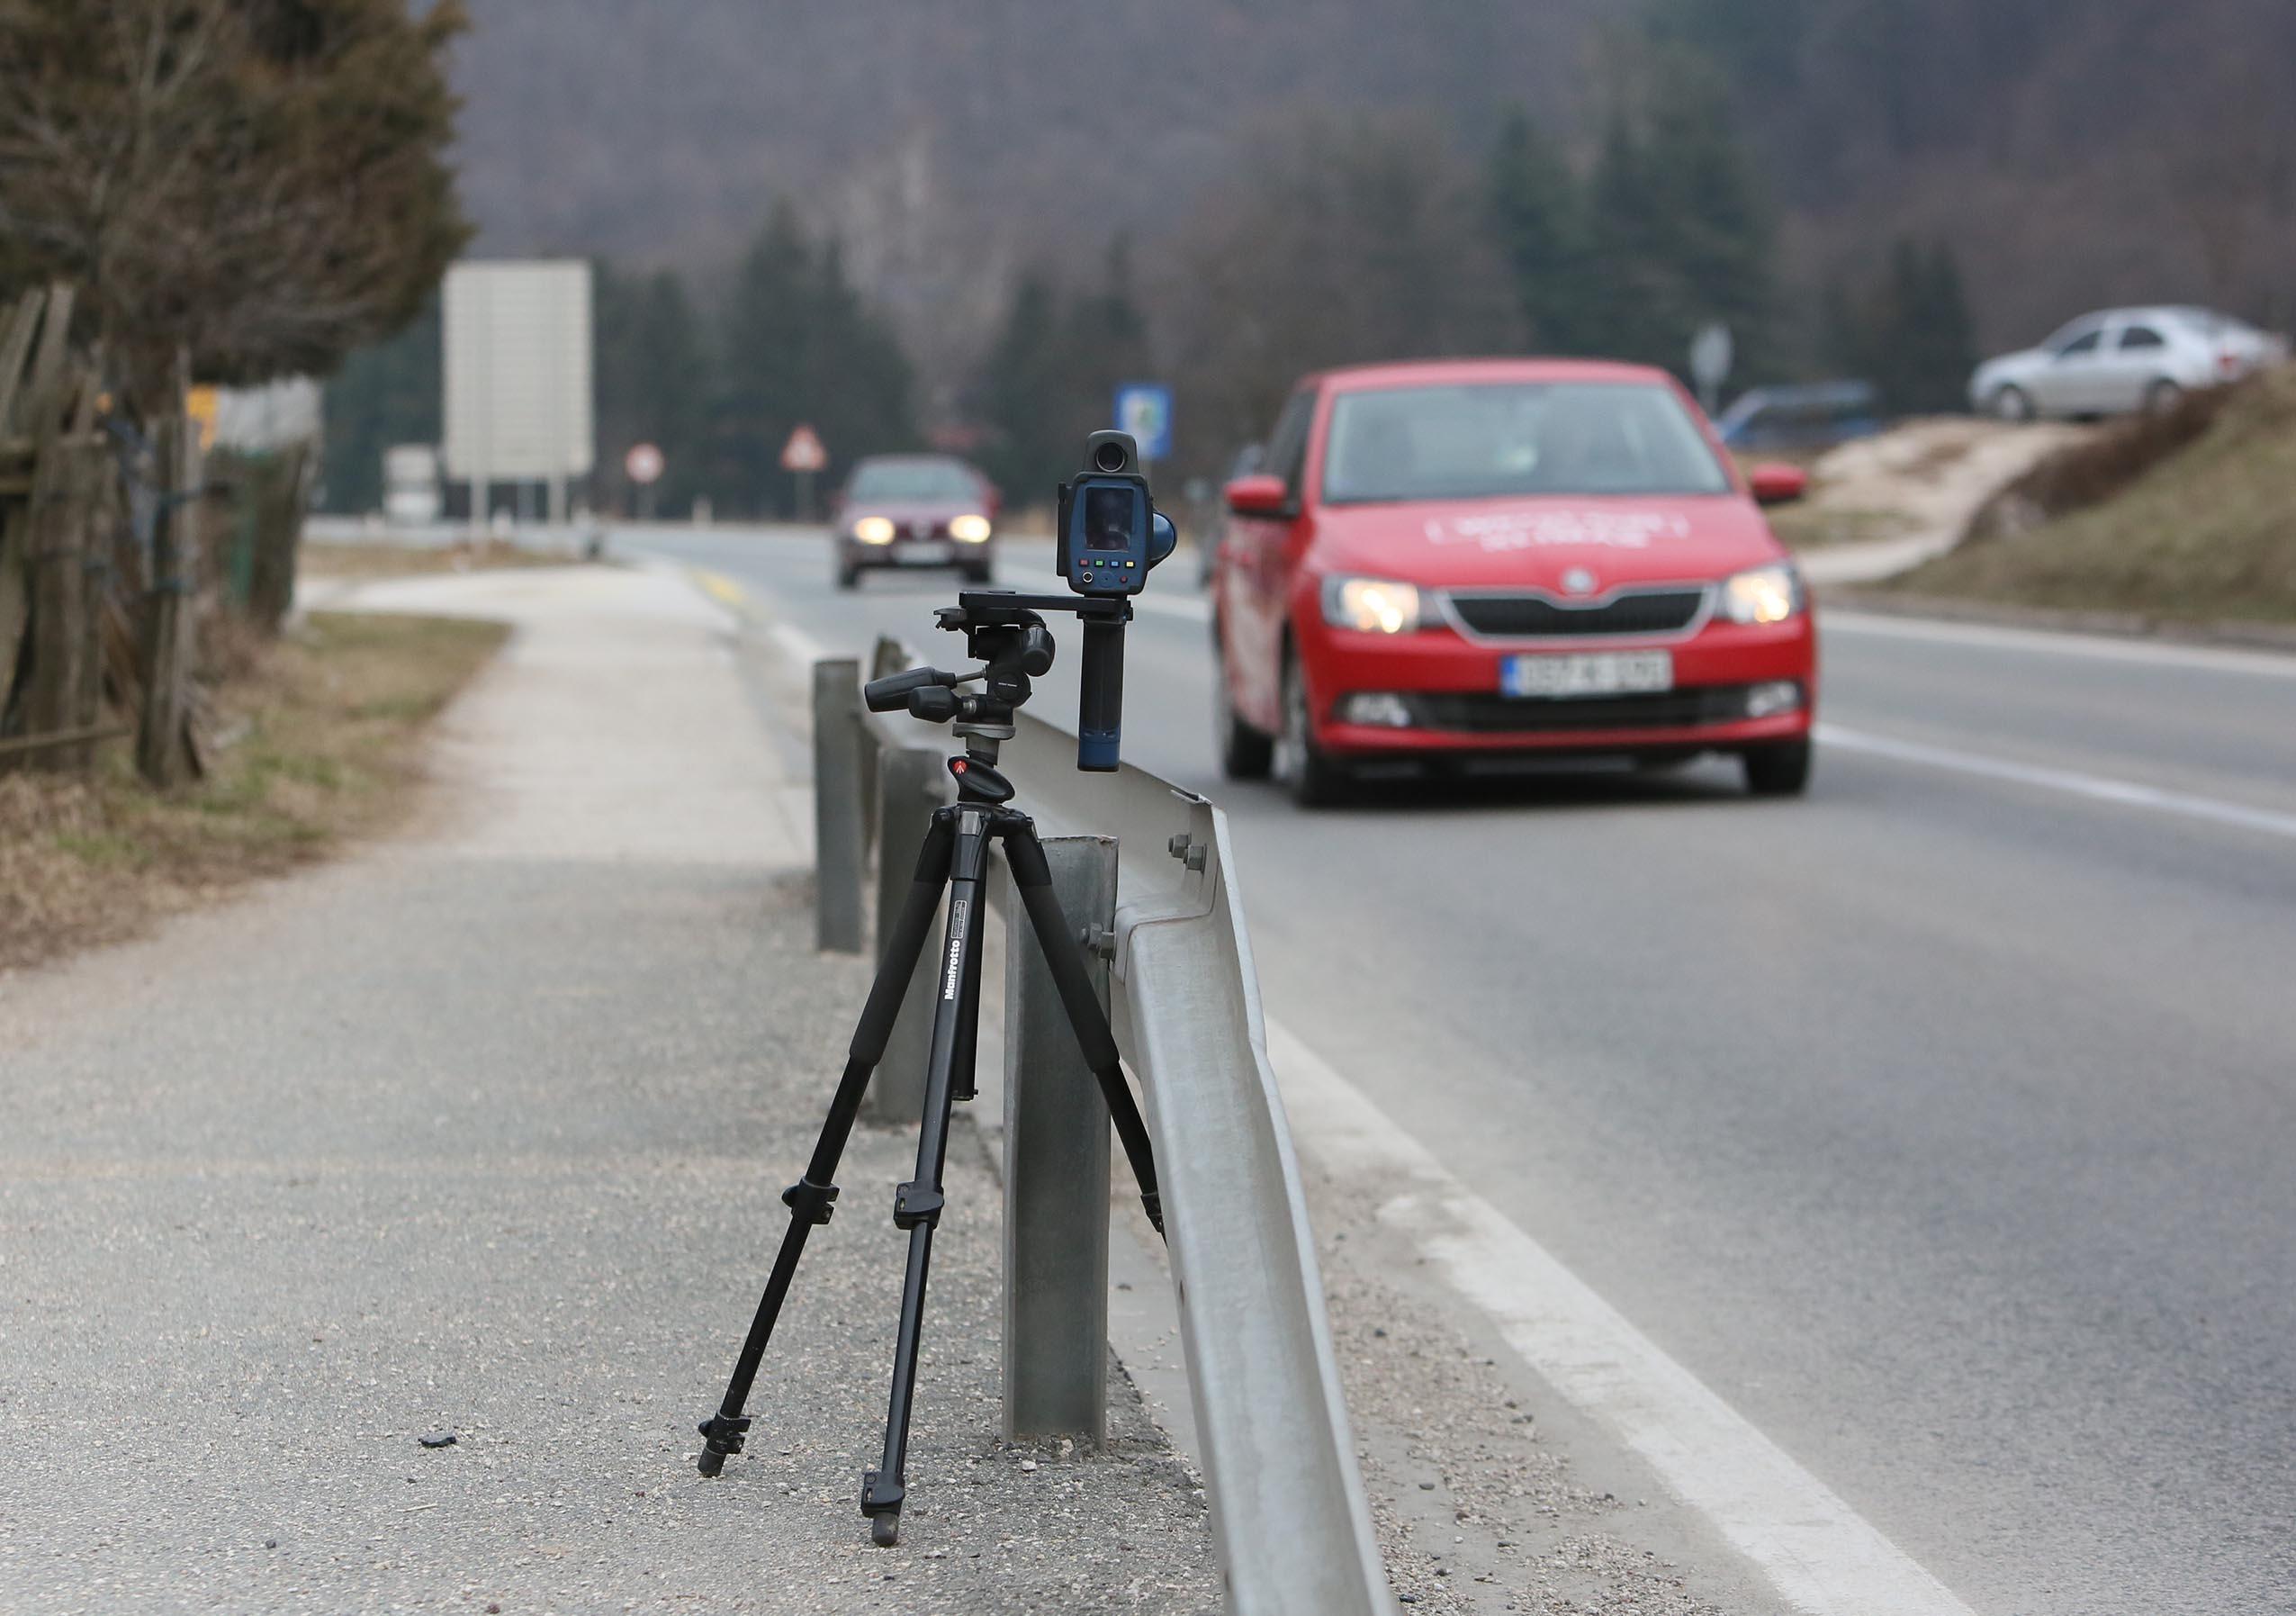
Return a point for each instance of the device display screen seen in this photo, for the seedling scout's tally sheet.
(1110, 516)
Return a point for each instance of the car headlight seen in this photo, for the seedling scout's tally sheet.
(1371, 605)
(969, 529)
(874, 530)
(1767, 594)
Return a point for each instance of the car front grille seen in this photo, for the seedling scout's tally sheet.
(1478, 713)
(920, 530)
(1541, 617)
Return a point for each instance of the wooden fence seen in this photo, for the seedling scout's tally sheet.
(95, 626)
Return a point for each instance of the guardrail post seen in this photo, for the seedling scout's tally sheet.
(837, 805)
(1055, 1171)
(909, 786)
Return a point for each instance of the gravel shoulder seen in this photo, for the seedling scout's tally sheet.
(482, 1132)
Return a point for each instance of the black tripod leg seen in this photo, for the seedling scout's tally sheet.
(1032, 878)
(812, 1197)
(917, 1205)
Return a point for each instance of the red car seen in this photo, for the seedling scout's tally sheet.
(1458, 559)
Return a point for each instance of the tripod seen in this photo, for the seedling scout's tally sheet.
(1015, 643)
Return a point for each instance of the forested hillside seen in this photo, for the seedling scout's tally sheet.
(2069, 154)
(998, 207)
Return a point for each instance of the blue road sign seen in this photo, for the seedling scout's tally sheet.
(1144, 408)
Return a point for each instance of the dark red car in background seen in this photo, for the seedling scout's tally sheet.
(915, 510)
(1458, 559)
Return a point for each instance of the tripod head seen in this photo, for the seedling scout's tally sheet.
(1005, 631)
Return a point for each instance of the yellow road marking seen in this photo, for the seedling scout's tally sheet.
(724, 589)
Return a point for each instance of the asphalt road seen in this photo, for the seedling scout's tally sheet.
(1944, 1123)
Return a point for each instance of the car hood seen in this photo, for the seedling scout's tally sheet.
(1536, 542)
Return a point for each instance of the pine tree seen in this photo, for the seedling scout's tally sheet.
(1910, 334)
(1020, 385)
(762, 365)
(1678, 227)
(653, 386)
(800, 346)
(1535, 219)
(1629, 299)
(386, 394)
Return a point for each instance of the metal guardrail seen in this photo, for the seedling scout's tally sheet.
(1289, 1518)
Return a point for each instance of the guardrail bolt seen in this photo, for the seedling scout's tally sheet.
(1097, 940)
(1188, 850)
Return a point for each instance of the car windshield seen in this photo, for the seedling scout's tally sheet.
(1486, 440)
(912, 479)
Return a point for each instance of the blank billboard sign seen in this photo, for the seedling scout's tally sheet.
(518, 366)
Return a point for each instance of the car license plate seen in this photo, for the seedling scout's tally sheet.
(1587, 674)
(928, 553)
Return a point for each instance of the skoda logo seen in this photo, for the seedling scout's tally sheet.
(1578, 580)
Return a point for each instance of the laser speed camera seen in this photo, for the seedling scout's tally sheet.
(1109, 531)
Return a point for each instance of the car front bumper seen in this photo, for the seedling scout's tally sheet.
(916, 552)
(1449, 687)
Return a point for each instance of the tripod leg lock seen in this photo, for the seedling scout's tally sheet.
(722, 1438)
(915, 1203)
(1152, 1203)
(812, 1201)
(880, 1497)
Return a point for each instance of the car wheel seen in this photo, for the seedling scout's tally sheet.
(2163, 396)
(1313, 780)
(1244, 753)
(980, 575)
(849, 576)
(2012, 403)
(1781, 769)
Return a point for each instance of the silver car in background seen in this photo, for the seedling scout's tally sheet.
(2121, 360)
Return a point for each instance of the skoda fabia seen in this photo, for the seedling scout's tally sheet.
(1464, 559)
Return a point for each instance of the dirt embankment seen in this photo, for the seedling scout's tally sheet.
(315, 739)
(1915, 486)
(2185, 517)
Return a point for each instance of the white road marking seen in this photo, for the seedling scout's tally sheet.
(1820, 1554)
(2097, 788)
(2219, 659)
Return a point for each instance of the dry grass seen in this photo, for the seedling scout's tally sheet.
(1813, 526)
(327, 726)
(2191, 518)
(364, 560)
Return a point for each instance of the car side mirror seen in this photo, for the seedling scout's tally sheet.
(1259, 494)
(1774, 483)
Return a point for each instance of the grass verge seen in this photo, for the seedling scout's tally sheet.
(324, 730)
(363, 561)
(2190, 519)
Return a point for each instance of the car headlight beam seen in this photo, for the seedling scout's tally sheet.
(971, 530)
(1371, 605)
(1767, 594)
(874, 530)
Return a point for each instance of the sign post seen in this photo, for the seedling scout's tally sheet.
(1711, 351)
(803, 456)
(644, 466)
(1144, 409)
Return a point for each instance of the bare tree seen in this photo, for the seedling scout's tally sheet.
(261, 182)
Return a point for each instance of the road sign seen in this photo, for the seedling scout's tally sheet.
(517, 368)
(1711, 351)
(643, 463)
(1144, 408)
(804, 452)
